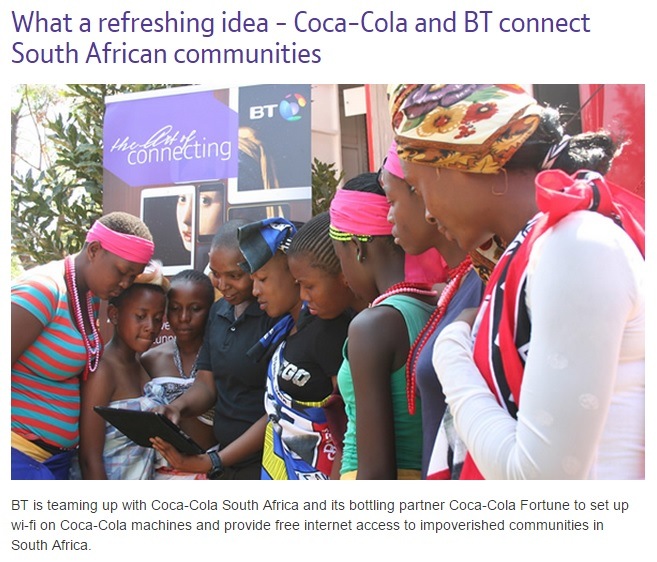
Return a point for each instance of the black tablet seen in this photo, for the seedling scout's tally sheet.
(141, 426)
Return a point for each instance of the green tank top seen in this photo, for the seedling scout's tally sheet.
(408, 429)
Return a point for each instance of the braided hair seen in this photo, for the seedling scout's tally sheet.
(313, 242)
(197, 277)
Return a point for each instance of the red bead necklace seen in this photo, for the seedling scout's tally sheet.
(405, 287)
(455, 277)
(94, 348)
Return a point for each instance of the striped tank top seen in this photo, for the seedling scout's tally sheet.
(45, 380)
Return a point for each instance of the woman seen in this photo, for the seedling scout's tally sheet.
(55, 340)
(555, 385)
(383, 441)
(304, 353)
(226, 379)
(442, 452)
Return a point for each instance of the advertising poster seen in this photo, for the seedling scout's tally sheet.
(186, 160)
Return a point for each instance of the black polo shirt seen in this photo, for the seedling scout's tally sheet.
(240, 381)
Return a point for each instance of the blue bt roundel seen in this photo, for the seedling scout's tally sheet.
(290, 107)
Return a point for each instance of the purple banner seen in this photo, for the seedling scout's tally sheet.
(171, 139)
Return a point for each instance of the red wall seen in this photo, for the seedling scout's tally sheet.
(620, 109)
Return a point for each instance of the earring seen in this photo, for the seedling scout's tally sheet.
(360, 258)
(506, 186)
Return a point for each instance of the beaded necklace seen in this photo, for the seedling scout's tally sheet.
(178, 362)
(455, 277)
(405, 287)
(93, 349)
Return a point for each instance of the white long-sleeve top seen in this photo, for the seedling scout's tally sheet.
(582, 401)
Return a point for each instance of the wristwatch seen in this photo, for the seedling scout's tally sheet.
(217, 469)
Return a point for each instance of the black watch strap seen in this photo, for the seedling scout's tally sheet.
(217, 469)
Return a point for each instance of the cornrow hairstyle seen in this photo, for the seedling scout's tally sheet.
(312, 241)
(590, 151)
(197, 277)
(125, 223)
(226, 236)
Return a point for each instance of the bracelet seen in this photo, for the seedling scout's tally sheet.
(217, 469)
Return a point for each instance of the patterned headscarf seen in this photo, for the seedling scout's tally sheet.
(467, 127)
(259, 241)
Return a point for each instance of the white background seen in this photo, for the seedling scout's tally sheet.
(617, 50)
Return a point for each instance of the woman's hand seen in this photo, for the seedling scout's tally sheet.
(180, 461)
(171, 412)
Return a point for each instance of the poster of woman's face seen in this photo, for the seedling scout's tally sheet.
(161, 209)
(210, 206)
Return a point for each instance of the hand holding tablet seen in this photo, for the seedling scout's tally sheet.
(141, 426)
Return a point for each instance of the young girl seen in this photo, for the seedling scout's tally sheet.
(442, 452)
(105, 453)
(326, 294)
(383, 441)
(173, 365)
(55, 342)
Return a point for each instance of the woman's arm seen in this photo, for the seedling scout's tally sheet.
(97, 390)
(372, 360)
(244, 446)
(196, 400)
(25, 329)
(579, 313)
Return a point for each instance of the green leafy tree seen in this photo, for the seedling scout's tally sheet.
(325, 180)
(56, 199)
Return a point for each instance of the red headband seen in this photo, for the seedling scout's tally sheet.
(126, 246)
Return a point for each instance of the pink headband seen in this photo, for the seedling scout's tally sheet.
(361, 213)
(392, 162)
(126, 246)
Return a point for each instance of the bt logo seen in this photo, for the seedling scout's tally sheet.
(289, 108)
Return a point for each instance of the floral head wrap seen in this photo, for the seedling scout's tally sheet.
(467, 127)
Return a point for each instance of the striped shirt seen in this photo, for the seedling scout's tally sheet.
(45, 380)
